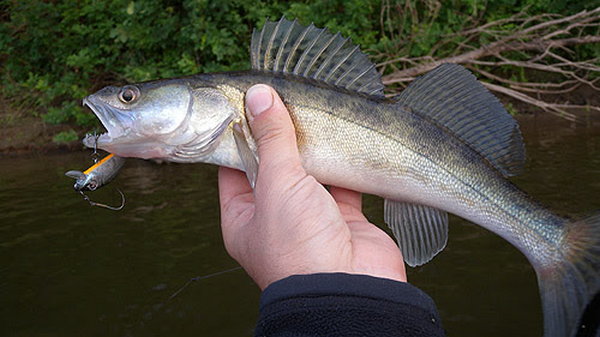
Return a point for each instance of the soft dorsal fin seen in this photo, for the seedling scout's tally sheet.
(288, 47)
(451, 97)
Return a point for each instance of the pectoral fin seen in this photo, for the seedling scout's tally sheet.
(249, 157)
(421, 231)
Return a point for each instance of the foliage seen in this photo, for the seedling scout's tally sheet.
(64, 137)
(57, 52)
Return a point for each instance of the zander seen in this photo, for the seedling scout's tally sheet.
(445, 144)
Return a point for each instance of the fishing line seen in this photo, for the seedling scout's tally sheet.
(161, 307)
(198, 278)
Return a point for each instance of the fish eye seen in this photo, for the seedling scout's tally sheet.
(92, 185)
(129, 94)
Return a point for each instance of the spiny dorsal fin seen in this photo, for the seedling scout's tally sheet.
(452, 97)
(421, 231)
(288, 47)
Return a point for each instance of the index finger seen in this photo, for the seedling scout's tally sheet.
(349, 203)
(345, 196)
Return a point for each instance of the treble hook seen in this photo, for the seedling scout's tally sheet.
(93, 203)
(100, 174)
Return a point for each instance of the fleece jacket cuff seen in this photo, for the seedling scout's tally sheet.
(338, 304)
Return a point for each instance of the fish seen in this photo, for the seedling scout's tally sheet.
(98, 175)
(444, 145)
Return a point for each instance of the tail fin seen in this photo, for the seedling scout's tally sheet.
(568, 287)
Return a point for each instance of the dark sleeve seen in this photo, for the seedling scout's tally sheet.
(337, 304)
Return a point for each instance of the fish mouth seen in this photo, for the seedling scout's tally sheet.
(110, 118)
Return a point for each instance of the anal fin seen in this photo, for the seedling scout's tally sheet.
(421, 231)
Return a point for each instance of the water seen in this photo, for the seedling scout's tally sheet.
(68, 269)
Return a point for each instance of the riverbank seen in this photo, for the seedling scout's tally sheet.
(22, 132)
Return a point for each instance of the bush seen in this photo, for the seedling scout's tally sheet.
(55, 53)
(65, 137)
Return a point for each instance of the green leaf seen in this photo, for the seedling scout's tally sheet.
(65, 137)
(130, 8)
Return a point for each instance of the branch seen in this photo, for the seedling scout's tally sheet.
(488, 50)
(533, 87)
(555, 109)
(540, 43)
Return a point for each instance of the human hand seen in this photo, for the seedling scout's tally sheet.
(290, 224)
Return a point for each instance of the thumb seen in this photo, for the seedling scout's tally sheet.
(273, 131)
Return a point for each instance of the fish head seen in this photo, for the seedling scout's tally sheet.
(142, 120)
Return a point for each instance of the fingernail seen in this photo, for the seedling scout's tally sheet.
(258, 99)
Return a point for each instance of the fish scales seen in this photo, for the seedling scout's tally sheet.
(400, 156)
(444, 145)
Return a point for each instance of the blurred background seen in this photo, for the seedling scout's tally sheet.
(68, 269)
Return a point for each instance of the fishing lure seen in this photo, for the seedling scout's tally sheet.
(98, 175)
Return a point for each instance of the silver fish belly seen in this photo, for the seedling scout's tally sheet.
(444, 145)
